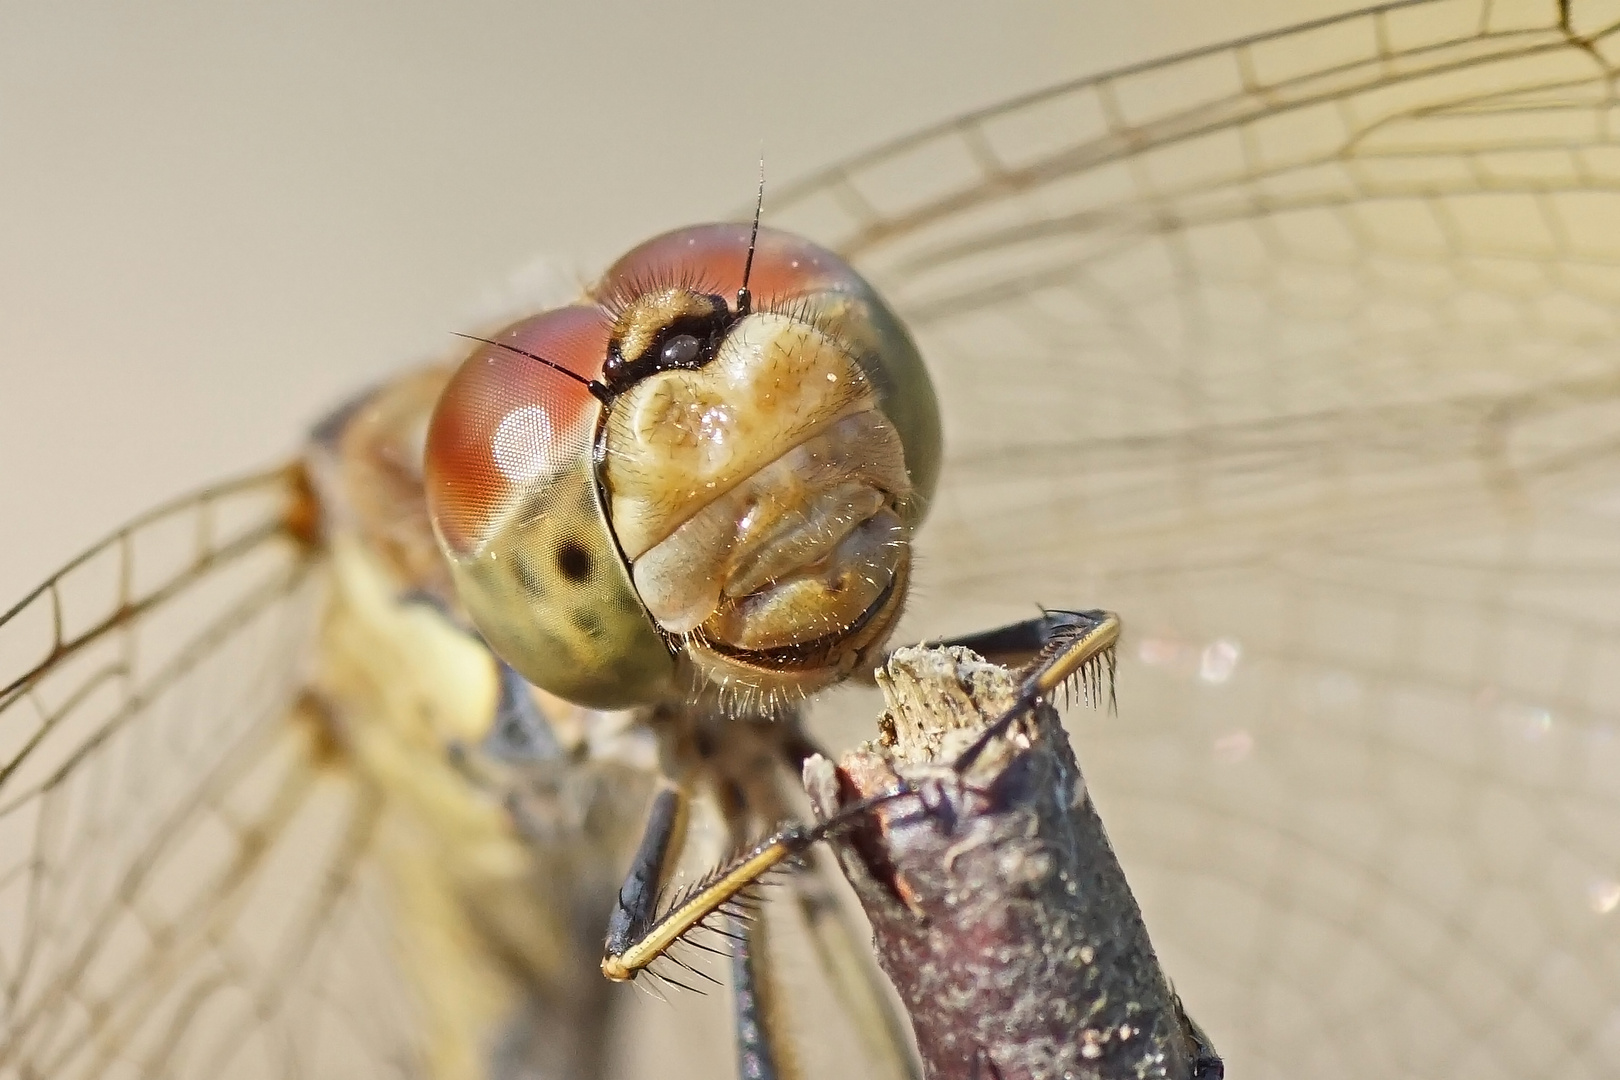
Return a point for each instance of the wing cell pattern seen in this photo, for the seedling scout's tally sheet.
(184, 891)
(1303, 353)
(1298, 351)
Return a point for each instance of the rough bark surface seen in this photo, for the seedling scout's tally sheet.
(998, 907)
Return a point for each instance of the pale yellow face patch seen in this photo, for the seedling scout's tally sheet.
(761, 501)
(678, 440)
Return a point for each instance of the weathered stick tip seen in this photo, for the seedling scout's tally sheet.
(938, 699)
(997, 905)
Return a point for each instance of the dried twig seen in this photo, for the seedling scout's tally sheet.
(998, 907)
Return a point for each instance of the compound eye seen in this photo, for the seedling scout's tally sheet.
(680, 351)
(510, 485)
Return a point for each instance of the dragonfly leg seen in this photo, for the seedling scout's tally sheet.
(1062, 645)
(627, 950)
(1207, 1064)
(846, 960)
(764, 1047)
(637, 936)
(1051, 650)
(521, 732)
(1058, 647)
(840, 944)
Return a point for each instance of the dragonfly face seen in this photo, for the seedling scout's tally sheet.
(1298, 352)
(655, 491)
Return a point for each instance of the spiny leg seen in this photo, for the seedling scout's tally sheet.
(1020, 644)
(638, 934)
(1055, 648)
(764, 1045)
(632, 943)
(1064, 644)
(841, 945)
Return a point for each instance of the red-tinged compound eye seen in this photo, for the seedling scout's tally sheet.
(507, 423)
(806, 281)
(513, 496)
(710, 258)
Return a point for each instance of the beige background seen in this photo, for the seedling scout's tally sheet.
(216, 223)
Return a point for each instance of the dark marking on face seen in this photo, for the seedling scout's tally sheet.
(574, 561)
(665, 330)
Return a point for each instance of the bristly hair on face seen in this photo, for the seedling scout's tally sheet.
(618, 297)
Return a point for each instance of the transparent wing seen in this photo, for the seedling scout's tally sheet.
(183, 888)
(1303, 353)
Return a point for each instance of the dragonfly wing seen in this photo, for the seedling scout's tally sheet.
(1300, 353)
(185, 889)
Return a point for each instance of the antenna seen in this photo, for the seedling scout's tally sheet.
(745, 299)
(598, 390)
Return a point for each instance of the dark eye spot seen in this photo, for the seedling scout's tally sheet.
(574, 561)
(680, 351)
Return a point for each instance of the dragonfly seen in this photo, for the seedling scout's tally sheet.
(1297, 351)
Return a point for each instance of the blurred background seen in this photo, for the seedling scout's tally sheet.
(218, 223)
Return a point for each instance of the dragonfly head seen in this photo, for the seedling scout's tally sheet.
(653, 484)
